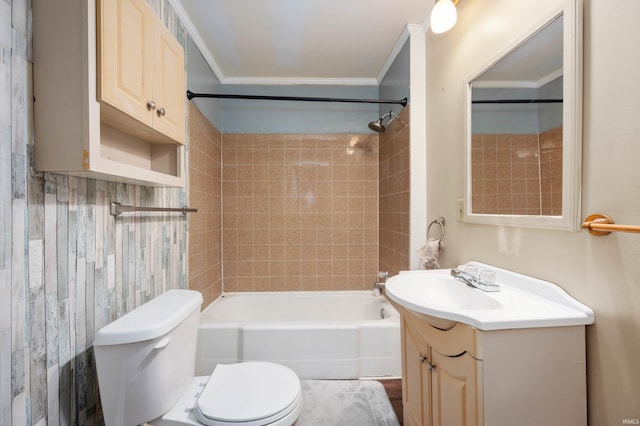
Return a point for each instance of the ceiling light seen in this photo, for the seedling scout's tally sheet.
(443, 16)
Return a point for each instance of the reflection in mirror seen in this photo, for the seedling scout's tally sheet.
(516, 141)
(523, 147)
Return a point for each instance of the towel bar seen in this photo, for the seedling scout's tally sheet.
(117, 209)
(601, 224)
(440, 221)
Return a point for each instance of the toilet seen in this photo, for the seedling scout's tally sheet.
(146, 361)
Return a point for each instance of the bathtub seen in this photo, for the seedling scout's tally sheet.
(320, 335)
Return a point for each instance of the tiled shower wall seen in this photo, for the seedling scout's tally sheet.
(517, 174)
(300, 212)
(551, 171)
(205, 232)
(66, 266)
(394, 195)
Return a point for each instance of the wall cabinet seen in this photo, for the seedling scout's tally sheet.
(96, 66)
(459, 375)
(140, 72)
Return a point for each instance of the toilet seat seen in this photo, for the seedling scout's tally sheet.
(249, 394)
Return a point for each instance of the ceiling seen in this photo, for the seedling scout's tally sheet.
(300, 41)
(533, 63)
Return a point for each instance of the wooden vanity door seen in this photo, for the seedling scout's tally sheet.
(456, 400)
(415, 378)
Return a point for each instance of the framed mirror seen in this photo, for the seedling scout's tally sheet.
(524, 129)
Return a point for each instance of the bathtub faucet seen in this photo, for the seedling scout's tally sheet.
(379, 284)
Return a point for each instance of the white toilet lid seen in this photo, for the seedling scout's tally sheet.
(250, 393)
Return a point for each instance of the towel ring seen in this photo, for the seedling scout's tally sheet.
(440, 221)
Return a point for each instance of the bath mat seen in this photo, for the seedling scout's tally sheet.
(345, 403)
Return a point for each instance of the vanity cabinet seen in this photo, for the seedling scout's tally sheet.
(96, 66)
(440, 374)
(140, 72)
(454, 374)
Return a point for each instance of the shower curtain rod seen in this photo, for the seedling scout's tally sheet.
(518, 101)
(191, 95)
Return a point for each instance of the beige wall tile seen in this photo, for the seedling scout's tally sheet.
(205, 250)
(306, 194)
(393, 181)
(517, 177)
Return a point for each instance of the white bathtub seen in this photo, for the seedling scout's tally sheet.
(320, 335)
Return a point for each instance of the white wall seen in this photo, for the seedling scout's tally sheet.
(201, 79)
(395, 84)
(603, 272)
(265, 116)
(517, 118)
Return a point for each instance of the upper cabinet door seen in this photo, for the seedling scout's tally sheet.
(168, 88)
(140, 73)
(125, 58)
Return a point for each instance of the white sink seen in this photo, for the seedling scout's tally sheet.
(446, 293)
(522, 302)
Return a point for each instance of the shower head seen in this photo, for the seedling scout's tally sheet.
(377, 125)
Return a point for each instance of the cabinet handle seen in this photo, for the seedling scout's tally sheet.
(423, 359)
(151, 105)
(161, 112)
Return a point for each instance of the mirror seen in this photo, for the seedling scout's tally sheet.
(523, 136)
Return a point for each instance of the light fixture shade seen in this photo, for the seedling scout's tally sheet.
(443, 16)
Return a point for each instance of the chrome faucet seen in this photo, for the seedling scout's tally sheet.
(382, 278)
(473, 280)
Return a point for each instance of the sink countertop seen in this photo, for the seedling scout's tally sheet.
(522, 302)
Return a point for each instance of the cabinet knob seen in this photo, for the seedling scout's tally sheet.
(423, 359)
(151, 105)
(161, 112)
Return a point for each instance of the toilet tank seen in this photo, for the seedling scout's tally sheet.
(146, 358)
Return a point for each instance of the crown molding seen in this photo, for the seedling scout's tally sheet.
(408, 30)
(550, 77)
(519, 84)
(197, 39)
(505, 84)
(291, 81)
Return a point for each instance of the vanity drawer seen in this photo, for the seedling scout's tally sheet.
(449, 338)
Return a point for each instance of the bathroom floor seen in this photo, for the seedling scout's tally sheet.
(347, 402)
(394, 391)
